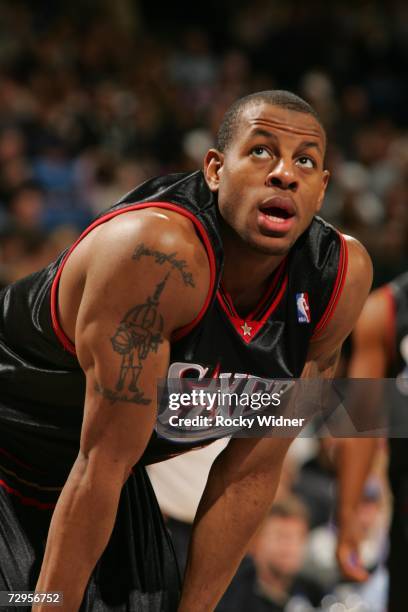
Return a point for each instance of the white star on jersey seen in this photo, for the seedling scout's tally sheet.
(246, 329)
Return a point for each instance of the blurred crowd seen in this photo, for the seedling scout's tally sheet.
(97, 97)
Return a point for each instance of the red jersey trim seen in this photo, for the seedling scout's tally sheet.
(391, 322)
(337, 289)
(180, 333)
(27, 501)
(238, 322)
(252, 316)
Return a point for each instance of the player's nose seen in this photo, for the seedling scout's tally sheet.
(282, 175)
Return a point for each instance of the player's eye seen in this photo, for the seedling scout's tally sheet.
(306, 162)
(260, 152)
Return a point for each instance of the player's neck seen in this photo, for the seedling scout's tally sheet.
(246, 274)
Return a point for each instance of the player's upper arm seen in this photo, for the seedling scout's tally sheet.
(327, 344)
(144, 280)
(371, 347)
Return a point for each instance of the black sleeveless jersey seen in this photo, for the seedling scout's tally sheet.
(42, 387)
(397, 332)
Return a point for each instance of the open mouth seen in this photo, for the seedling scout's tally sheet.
(276, 216)
(278, 210)
(276, 213)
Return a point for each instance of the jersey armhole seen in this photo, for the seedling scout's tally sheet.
(202, 234)
(337, 288)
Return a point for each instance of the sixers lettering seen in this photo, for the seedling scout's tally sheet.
(219, 394)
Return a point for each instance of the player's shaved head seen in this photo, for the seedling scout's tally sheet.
(274, 97)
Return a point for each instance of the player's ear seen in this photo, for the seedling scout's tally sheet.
(325, 180)
(213, 163)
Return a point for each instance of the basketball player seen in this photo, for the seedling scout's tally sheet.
(380, 351)
(188, 271)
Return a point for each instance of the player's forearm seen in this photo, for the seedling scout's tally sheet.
(228, 515)
(354, 463)
(79, 532)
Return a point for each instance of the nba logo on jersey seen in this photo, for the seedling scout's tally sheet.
(302, 306)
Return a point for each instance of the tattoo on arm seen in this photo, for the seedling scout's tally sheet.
(138, 334)
(161, 258)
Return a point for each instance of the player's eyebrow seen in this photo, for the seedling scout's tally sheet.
(266, 134)
(310, 143)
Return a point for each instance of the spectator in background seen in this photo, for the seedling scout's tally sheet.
(269, 579)
(316, 480)
(24, 250)
(371, 525)
(27, 205)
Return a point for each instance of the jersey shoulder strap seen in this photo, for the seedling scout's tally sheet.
(317, 271)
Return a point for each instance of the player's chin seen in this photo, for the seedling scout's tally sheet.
(273, 245)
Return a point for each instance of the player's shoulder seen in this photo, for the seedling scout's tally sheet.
(352, 293)
(158, 227)
(359, 264)
(322, 235)
(358, 277)
(357, 254)
(134, 248)
(137, 247)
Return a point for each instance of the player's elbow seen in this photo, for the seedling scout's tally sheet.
(93, 467)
